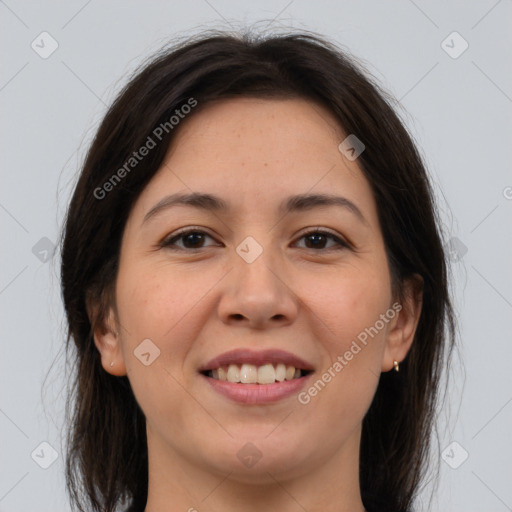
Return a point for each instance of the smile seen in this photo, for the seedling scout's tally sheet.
(265, 374)
(256, 376)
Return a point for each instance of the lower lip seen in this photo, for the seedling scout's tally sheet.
(257, 393)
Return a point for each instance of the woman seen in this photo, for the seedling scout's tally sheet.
(256, 288)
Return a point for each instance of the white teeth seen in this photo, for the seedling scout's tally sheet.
(248, 374)
(252, 374)
(290, 372)
(280, 372)
(233, 374)
(266, 374)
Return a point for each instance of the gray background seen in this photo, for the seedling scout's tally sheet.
(459, 109)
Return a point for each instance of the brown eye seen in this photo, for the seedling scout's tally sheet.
(189, 239)
(318, 240)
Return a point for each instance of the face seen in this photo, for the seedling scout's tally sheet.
(271, 275)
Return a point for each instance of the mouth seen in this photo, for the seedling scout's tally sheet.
(262, 377)
(268, 373)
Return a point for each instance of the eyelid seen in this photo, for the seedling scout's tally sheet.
(182, 232)
(340, 241)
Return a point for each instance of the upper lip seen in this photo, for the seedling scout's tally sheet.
(258, 358)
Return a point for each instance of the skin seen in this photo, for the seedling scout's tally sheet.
(195, 304)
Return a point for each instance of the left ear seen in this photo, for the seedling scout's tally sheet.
(403, 327)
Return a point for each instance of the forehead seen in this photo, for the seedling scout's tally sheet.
(273, 126)
(252, 152)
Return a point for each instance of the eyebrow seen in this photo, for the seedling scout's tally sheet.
(297, 203)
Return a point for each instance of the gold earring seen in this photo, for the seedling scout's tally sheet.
(396, 365)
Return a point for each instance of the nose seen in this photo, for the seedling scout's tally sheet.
(258, 295)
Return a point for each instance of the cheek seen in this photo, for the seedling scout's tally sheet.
(154, 305)
(348, 302)
(348, 308)
(166, 304)
(161, 307)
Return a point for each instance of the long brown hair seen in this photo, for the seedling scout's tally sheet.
(106, 461)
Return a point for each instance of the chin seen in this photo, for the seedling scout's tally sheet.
(250, 460)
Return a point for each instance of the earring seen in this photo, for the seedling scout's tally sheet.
(111, 364)
(396, 365)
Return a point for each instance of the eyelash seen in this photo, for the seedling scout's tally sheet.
(168, 242)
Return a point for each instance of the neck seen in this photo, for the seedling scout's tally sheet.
(178, 485)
